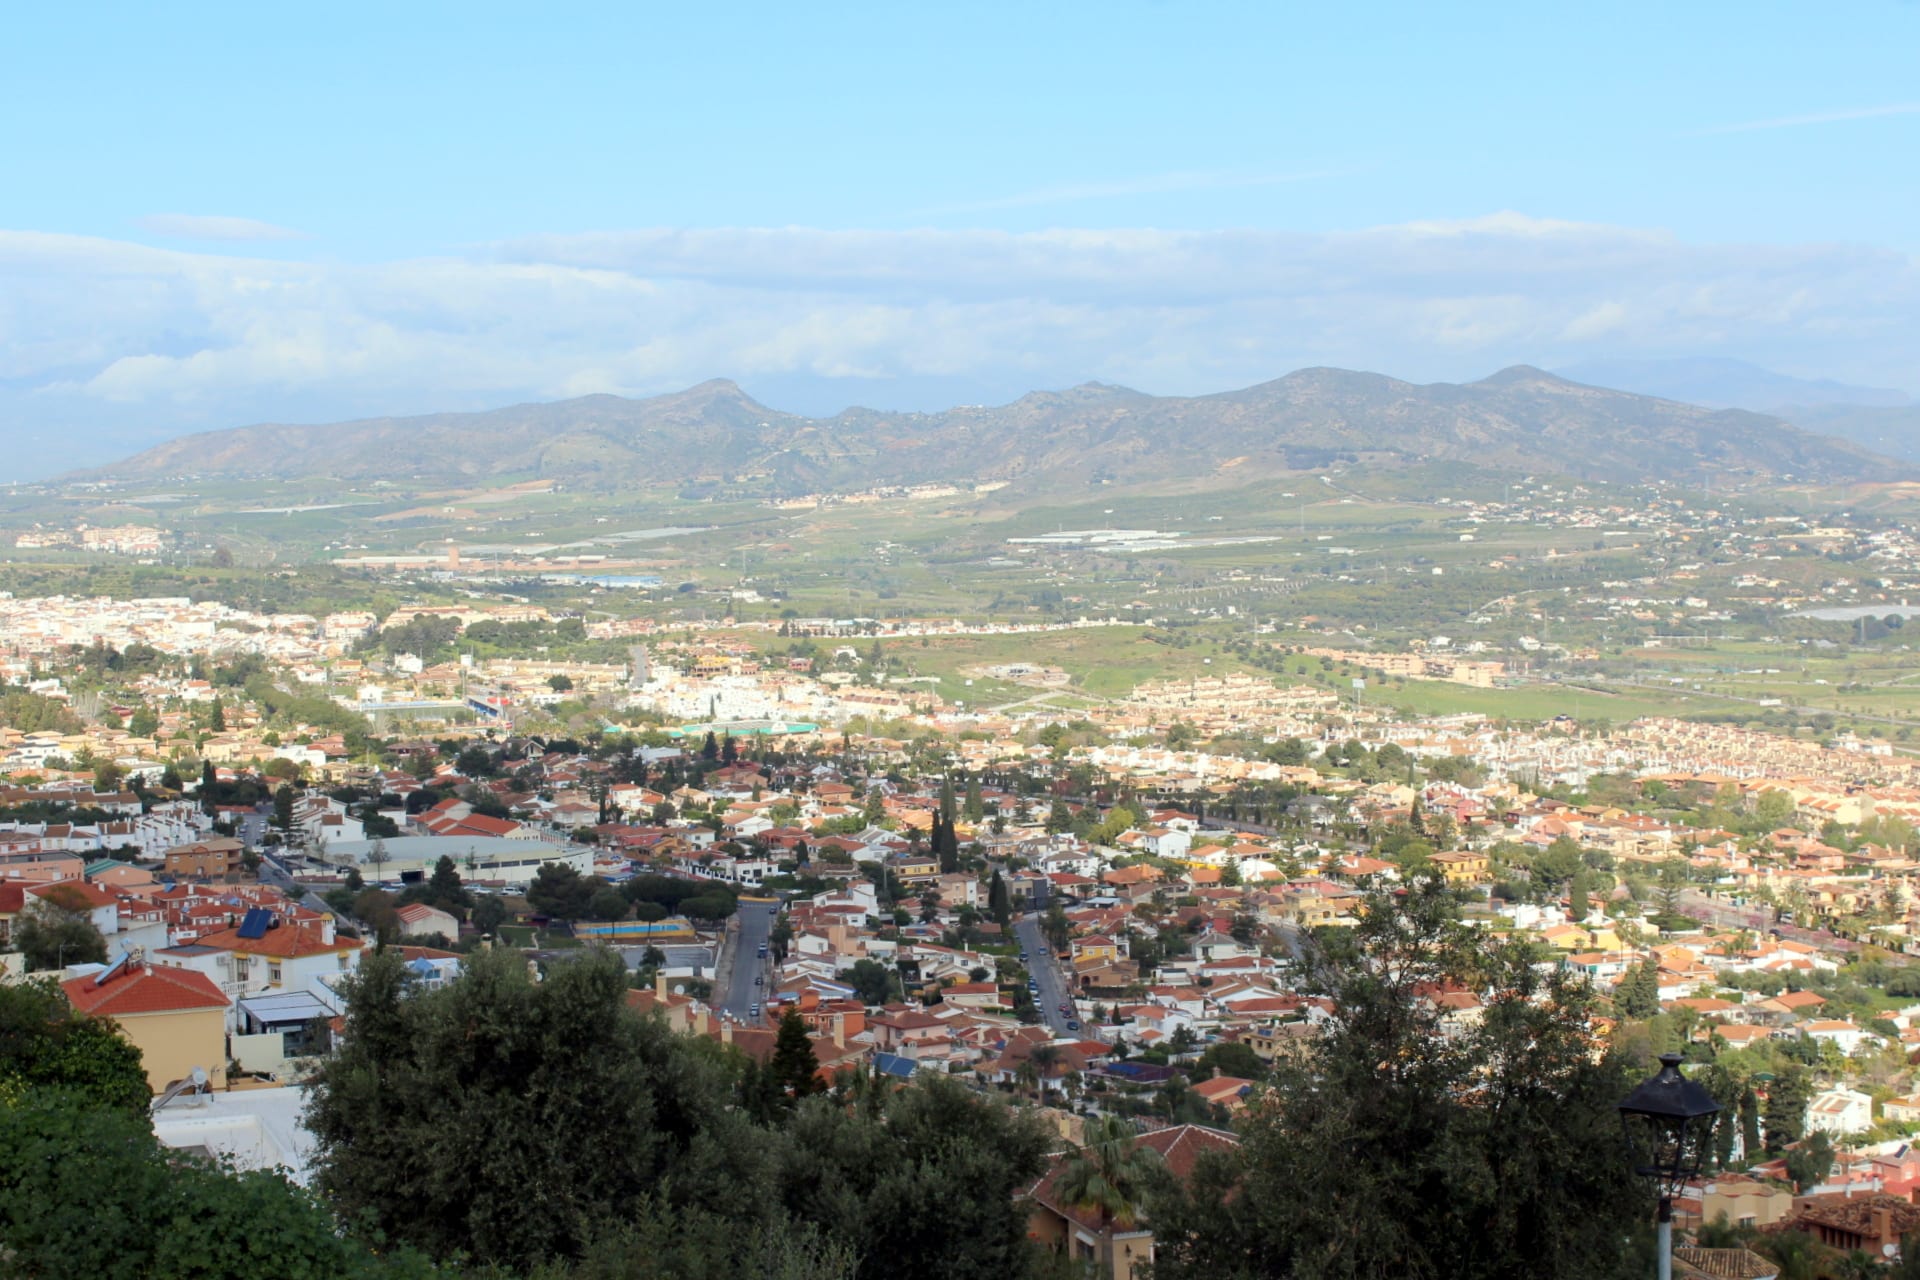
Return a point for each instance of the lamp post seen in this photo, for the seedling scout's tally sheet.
(1669, 1122)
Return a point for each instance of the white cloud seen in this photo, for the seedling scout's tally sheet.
(1817, 117)
(108, 334)
(193, 226)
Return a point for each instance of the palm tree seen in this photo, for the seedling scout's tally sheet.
(1026, 1075)
(1109, 1175)
(1044, 1058)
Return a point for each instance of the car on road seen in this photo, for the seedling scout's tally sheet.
(1072, 1025)
(760, 980)
(755, 1010)
(1023, 957)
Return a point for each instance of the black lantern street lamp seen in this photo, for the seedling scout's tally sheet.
(1669, 1122)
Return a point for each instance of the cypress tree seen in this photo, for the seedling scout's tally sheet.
(999, 901)
(1749, 1124)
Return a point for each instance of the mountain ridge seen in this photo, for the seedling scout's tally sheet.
(715, 432)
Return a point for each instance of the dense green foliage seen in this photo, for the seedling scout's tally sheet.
(86, 1193)
(443, 1108)
(45, 1045)
(1399, 1146)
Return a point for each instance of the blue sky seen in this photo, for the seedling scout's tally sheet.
(245, 212)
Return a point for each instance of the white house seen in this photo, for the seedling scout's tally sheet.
(1840, 1111)
(419, 920)
(1847, 1036)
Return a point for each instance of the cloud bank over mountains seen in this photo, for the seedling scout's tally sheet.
(106, 345)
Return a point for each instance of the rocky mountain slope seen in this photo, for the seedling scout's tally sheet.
(1521, 418)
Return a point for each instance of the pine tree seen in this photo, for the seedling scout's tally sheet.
(710, 749)
(946, 799)
(1638, 995)
(729, 750)
(794, 1068)
(443, 887)
(1577, 904)
(976, 806)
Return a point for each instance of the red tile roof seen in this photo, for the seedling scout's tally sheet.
(139, 988)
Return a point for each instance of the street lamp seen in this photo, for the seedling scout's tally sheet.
(1669, 1122)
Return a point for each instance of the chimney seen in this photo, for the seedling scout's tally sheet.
(326, 930)
(660, 984)
(839, 1030)
(726, 1031)
(1883, 1226)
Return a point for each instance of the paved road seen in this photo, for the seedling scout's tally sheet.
(253, 828)
(1045, 970)
(756, 925)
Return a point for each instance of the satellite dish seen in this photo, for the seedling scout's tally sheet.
(199, 1077)
(680, 989)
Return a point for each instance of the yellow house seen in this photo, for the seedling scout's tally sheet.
(1098, 947)
(1462, 868)
(1743, 1201)
(176, 1017)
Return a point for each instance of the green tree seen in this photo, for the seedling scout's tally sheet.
(1577, 905)
(1773, 810)
(56, 930)
(442, 1109)
(489, 913)
(1638, 995)
(999, 901)
(283, 808)
(444, 888)
(608, 904)
(1396, 1148)
(1232, 1058)
(876, 983)
(87, 1193)
(1809, 1162)
(1786, 1111)
(45, 1044)
(1750, 1146)
(921, 1180)
(561, 892)
(795, 1069)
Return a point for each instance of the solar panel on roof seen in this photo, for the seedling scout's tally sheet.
(255, 923)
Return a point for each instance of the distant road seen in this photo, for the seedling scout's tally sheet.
(1045, 970)
(756, 928)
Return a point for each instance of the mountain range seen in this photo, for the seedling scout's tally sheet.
(1521, 418)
